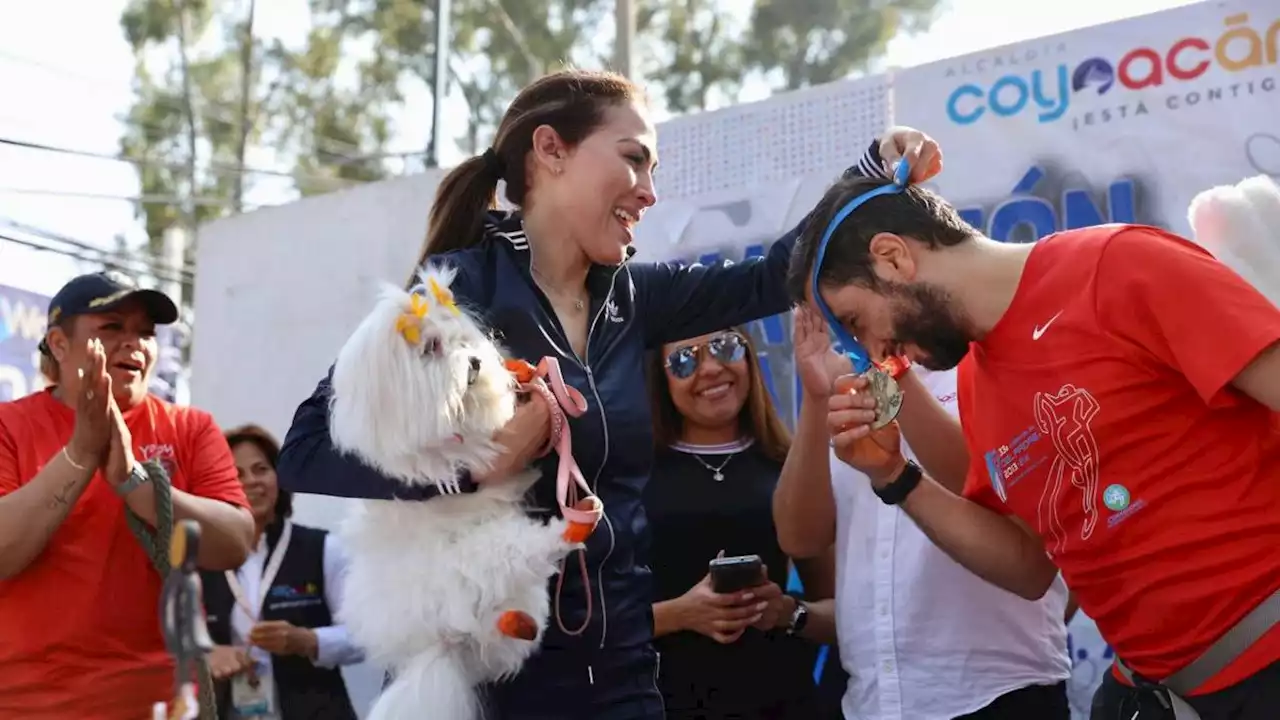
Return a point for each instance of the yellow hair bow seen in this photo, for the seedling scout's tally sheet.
(409, 322)
(443, 296)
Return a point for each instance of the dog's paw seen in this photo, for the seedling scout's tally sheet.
(518, 625)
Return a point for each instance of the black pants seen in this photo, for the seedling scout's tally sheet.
(621, 685)
(1256, 698)
(1038, 702)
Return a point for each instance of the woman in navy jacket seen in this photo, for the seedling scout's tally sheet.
(577, 153)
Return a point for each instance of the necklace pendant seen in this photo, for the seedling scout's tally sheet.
(577, 304)
(718, 477)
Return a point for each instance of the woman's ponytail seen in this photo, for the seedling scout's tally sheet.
(458, 212)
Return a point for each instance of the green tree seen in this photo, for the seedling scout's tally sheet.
(197, 113)
(699, 53)
(161, 125)
(694, 51)
(810, 42)
(499, 46)
(338, 130)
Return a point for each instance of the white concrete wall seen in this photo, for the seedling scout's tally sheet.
(279, 289)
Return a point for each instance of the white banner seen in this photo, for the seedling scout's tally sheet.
(1124, 122)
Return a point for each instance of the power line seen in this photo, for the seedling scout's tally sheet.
(175, 103)
(326, 143)
(187, 269)
(56, 251)
(323, 142)
(149, 199)
(107, 262)
(217, 167)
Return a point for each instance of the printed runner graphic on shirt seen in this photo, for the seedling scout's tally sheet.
(1064, 417)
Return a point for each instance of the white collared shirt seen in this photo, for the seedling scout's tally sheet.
(921, 637)
(334, 645)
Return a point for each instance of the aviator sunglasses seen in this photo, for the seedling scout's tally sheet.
(725, 348)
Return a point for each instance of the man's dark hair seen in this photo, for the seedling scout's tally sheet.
(915, 212)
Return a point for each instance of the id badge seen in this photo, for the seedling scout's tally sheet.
(253, 695)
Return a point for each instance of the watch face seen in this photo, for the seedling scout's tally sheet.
(136, 478)
(798, 616)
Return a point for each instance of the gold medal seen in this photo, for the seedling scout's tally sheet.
(888, 396)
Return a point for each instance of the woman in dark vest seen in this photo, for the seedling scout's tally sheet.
(279, 648)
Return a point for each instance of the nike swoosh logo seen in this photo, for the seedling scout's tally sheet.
(1040, 329)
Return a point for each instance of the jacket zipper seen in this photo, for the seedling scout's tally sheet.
(604, 424)
(595, 480)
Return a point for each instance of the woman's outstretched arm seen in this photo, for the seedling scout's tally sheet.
(309, 463)
(682, 301)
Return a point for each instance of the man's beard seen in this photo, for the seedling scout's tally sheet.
(923, 316)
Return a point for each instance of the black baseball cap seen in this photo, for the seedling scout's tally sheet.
(105, 291)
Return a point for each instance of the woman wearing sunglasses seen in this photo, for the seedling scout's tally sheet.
(747, 654)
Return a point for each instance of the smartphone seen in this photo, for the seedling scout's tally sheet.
(731, 574)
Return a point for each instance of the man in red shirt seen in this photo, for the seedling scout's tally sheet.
(1118, 389)
(79, 630)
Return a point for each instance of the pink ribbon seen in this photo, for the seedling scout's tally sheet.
(578, 505)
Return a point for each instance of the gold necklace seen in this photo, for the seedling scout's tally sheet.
(545, 286)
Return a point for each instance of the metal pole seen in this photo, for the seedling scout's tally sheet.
(173, 260)
(623, 49)
(444, 8)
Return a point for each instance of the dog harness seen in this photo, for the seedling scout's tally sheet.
(580, 508)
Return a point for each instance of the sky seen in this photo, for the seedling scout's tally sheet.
(66, 74)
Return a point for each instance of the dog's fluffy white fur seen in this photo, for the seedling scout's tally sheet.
(1240, 225)
(429, 580)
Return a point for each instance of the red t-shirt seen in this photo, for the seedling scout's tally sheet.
(1099, 410)
(79, 628)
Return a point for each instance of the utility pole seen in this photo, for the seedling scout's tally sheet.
(624, 45)
(175, 244)
(174, 363)
(173, 261)
(444, 8)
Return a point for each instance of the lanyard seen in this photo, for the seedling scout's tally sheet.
(268, 576)
(848, 344)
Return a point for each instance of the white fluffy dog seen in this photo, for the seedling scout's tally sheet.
(1240, 225)
(450, 592)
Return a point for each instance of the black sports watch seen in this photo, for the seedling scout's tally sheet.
(897, 491)
(799, 617)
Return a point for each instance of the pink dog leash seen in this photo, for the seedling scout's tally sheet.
(580, 508)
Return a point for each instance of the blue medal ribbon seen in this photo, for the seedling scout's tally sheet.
(857, 354)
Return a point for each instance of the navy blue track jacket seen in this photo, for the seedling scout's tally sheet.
(635, 307)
